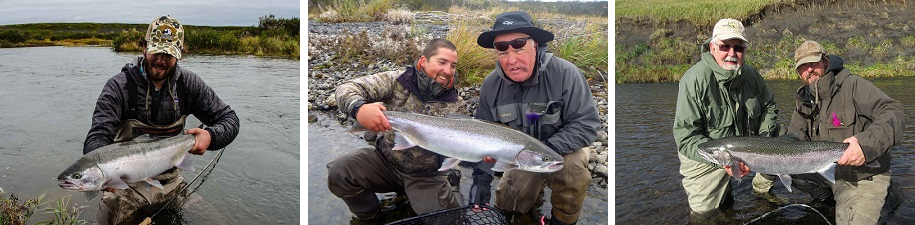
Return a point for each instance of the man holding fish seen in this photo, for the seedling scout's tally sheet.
(427, 87)
(720, 96)
(834, 105)
(153, 95)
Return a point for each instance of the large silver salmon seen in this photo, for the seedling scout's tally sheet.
(781, 156)
(118, 164)
(470, 140)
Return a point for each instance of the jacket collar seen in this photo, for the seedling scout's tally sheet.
(408, 81)
(721, 75)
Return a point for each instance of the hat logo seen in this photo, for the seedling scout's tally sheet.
(167, 32)
(732, 24)
(507, 22)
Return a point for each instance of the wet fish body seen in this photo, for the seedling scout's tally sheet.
(118, 164)
(780, 156)
(470, 140)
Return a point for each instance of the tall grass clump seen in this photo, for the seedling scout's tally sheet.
(587, 51)
(14, 211)
(474, 62)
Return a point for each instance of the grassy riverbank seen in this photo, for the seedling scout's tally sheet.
(275, 37)
(581, 30)
(873, 37)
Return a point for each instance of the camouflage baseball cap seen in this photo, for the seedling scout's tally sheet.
(165, 35)
(727, 29)
(808, 52)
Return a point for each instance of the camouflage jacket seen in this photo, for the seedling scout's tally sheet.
(398, 92)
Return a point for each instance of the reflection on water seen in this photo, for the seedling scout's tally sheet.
(49, 93)
(648, 182)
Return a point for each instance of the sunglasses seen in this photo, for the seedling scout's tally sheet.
(727, 48)
(517, 44)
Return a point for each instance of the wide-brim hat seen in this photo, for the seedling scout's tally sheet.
(511, 22)
(165, 35)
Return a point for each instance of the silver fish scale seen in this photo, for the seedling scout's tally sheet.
(464, 139)
(135, 159)
(778, 155)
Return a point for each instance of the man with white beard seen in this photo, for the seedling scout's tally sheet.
(719, 97)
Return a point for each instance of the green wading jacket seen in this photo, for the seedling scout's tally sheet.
(851, 106)
(714, 103)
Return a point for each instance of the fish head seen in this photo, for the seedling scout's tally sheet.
(537, 161)
(82, 179)
(716, 154)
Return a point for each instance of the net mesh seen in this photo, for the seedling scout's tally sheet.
(461, 215)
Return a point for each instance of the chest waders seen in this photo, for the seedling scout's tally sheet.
(133, 127)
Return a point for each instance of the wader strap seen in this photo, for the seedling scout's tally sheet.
(133, 105)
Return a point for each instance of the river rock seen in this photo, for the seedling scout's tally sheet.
(602, 158)
(601, 171)
(312, 117)
(602, 137)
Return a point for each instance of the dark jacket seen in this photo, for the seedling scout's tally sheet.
(112, 106)
(714, 103)
(398, 91)
(556, 97)
(860, 109)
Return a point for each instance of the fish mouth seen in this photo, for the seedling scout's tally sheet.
(67, 185)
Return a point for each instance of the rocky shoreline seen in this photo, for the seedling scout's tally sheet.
(325, 74)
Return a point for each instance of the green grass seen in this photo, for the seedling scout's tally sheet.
(588, 51)
(474, 62)
(272, 37)
(14, 211)
(700, 12)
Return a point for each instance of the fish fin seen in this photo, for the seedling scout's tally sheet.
(874, 164)
(735, 172)
(829, 173)
(186, 163)
(503, 166)
(116, 183)
(449, 163)
(401, 142)
(91, 195)
(786, 180)
(154, 183)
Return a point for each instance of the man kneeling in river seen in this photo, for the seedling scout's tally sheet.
(427, 88)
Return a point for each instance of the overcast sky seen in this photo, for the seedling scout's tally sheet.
(189, 12)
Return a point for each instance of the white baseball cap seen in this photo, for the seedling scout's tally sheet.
(727, 29)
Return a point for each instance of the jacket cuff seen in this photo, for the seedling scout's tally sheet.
(548, 144)
(213, 138)
(356, 105)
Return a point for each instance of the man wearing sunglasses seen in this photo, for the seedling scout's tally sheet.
(548, 98)
(718, 97)
(428, 88)
(834, 105)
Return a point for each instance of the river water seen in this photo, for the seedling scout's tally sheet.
(327, 140)
(648, 183)
(48, 94)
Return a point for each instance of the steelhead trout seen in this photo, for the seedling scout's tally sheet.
(781, 156)
(118, 164)
(470, 140)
